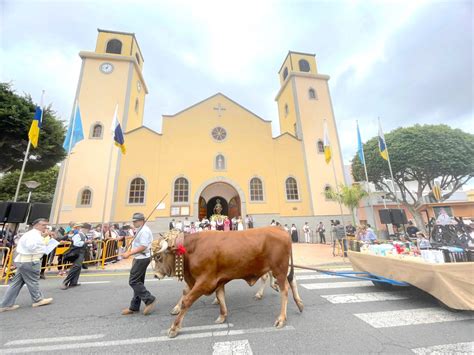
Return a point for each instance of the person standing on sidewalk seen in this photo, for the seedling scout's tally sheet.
(142, 256)
(321, 230)
(31, 248)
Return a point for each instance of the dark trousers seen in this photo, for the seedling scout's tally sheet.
(322, 238)
(137, 283)
(74, 273)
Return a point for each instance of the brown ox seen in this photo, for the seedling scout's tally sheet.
(214, 258)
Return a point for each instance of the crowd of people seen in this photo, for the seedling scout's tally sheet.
(220, 223)
(34, 246)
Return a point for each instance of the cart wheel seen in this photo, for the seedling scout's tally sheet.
(383, 285)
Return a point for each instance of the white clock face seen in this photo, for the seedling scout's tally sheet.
(106, 68)
(139, 86)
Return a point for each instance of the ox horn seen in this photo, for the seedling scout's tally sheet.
(163, 246)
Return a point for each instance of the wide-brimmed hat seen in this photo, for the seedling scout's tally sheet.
(138, 217)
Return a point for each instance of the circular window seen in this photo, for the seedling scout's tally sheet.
(219, 134)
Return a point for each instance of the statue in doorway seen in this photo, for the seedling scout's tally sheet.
(218, 207)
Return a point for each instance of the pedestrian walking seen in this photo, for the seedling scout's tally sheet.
(142, 256)
(76, 254)
(30, 249)
(340, 237)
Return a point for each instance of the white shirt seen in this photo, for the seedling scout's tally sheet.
(144, 238)
(32, 244)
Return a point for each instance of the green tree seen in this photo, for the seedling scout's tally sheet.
(349, 196)
(43, 193)
(423, 154)
(16, 114)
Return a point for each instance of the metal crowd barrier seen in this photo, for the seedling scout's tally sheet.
(102, 252)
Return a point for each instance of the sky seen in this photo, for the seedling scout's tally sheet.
(406, 62)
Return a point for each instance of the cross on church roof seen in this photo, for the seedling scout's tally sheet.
(219, 108)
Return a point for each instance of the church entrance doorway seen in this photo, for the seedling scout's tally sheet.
(219, 197)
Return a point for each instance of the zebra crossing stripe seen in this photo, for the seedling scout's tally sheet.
(324, 285)
(458, 349)
(315, 277)
(366, 297)
(411, 317)
(237, 347)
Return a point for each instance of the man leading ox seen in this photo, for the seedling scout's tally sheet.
(212, 259)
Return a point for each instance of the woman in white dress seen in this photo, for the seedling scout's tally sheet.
(240, 225)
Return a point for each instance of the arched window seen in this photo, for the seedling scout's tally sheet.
(114, 46)
(327, 192)
(320, 146)
(97, 130)
(136, 105)
(181, 190)
(312, 94)
(285, 73)
(291, 189)
(219, 162)
(137, 191)
(304, 65)
(287, 110)
(85, 198)
(256, 189)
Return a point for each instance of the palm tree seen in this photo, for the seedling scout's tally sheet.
(349, 196)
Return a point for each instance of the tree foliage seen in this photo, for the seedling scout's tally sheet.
(421, 153)
(349, 196)
(16, 114)
(43, 193)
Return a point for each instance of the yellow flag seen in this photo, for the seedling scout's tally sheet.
(34, 132)
(327, 145)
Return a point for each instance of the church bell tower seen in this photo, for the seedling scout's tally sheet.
(111, 76)
(304, 102)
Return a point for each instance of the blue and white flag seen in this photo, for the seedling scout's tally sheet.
(117, 132)
(360, 146)
(74, 131)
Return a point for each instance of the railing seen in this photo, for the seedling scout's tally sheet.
(100, 253)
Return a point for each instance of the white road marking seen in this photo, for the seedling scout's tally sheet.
(322, 285)
(4, 285)
(411, 317)
(94, 282)
(315, 277)
(128, 342)
(156, 280)
(366, 297)
(202, 327)
(458, 349)
(237, 347)
(54, 340)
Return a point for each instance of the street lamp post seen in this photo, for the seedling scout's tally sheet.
(31, 185)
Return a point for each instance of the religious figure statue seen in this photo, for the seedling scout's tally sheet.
(218, 207)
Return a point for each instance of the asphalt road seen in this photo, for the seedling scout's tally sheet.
(350, 318)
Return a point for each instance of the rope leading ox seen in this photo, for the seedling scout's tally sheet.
(211, 259)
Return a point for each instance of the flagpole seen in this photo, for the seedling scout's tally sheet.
(366, 176)
(107, 183)
(390, 168)
(61, 195)
(27, 152)
(336, 181)
(109, 168)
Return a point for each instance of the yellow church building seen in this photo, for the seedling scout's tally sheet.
(215, 149)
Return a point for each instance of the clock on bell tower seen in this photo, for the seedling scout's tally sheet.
(111, 76)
